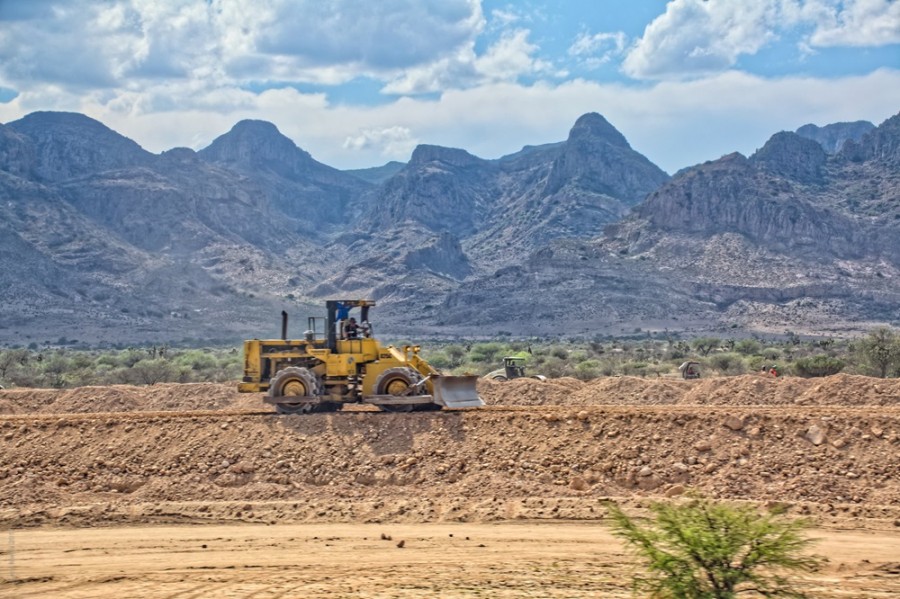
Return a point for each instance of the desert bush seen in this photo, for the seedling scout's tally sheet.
(820, 365)
(748, 347)
(558, 351)
(879, 352)
(728, 363)
(439, 360)
(486, 353)
(151, 371)
(587, 369)
(455, 353)
(707, 550)
(635, 368)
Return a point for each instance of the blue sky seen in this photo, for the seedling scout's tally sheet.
(357, 83)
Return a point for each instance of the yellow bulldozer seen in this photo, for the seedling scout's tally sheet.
(339, 361)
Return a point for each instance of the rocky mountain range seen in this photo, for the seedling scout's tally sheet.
(102, 241)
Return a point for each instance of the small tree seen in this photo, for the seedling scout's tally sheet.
(705, 344)
(881, 350)
(706, 550)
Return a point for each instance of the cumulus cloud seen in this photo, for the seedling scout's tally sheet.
(509, 58)
(107, 44)
(395, 142)
(695, 37)
(362, 36)
(700, 37)
(598, 49)
(859, 23)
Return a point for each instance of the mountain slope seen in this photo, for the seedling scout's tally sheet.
(789, 238)
(102, 240)
(320, 198)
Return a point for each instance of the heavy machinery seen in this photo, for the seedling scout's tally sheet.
(339, 362)
(690, 370)
(513, 368)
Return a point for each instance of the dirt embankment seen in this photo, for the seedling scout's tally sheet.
(757, 390)
(550, 449)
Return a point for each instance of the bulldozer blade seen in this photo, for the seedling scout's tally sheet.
(456, 391)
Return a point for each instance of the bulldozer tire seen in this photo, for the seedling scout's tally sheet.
(500, 378)
(395, 381)
(293, 384)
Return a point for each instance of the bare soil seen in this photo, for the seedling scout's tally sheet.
(86, 471)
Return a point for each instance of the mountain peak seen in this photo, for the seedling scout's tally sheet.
(881, 143)
(593, 126)
(833, 137)
(453, 156)
(68, 144)
(252, 143)
(598, 159)
(792, 156)
(255, 127)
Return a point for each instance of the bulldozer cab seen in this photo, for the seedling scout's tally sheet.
(514, 367)
(343, 323)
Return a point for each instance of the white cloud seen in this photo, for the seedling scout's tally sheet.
(509, 58)
(88, 45)
(297, 39)
(696, 37)
(179, 73)
(505, 17)
(598, 49)
(700, 37)
(395, 142)
(675, 123)
(859, 23)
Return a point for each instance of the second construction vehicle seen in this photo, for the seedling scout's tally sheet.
(340, 362)
(513, 368)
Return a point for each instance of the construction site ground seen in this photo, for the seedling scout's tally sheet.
(197, 491)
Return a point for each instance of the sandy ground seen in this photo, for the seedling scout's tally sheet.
(197, 491)
(353, 560)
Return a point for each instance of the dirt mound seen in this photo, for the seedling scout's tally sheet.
(418, 466)
(530, 392)
(838, 390)
(831, 443)
(125, 398)
(746, 390)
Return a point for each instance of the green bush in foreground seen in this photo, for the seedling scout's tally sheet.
(707, 550)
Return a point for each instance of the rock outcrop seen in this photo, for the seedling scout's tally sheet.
(833, 137)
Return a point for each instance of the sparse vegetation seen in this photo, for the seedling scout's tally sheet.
(877, 354)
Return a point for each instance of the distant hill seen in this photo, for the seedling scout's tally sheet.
(790, 238)
(103, 241)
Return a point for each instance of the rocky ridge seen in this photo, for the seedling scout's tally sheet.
(112, 242)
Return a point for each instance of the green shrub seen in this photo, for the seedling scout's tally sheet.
(635, 368)
(559, 352)
(486, 353)
(820, 365)
(588, 369)
(748, 347)
(707, 550)
(728, 363)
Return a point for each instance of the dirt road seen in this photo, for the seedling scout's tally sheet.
(353, 560)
